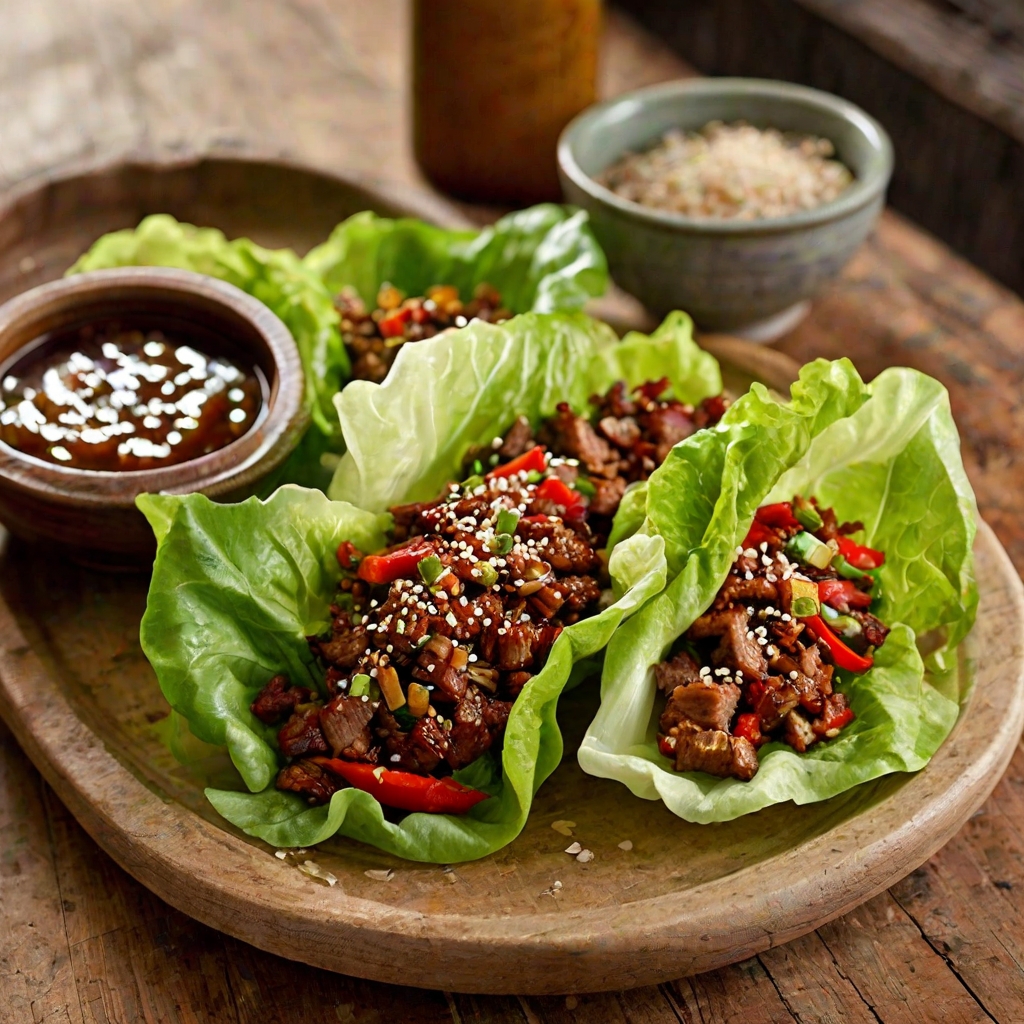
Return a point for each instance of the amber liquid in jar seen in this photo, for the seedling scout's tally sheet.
(494, 84)
(112, 398)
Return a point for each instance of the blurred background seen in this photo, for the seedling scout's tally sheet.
(330, 82)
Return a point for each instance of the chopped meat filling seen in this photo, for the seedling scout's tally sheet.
(760, 665)
(373, 338)
(432, 640)
(627, 437)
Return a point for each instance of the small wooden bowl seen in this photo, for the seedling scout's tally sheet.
(92, 514)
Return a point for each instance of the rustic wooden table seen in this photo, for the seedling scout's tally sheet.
(324, 81)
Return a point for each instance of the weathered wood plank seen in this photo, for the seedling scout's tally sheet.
(813, 988)
(880, 949)
(652, 1005)
(967, 900)
(740, 994)
(36, 979)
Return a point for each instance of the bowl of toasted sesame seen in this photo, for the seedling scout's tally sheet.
(735, 199)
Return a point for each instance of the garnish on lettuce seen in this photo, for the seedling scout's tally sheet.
(886, 453)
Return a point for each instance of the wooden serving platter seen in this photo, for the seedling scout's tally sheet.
(83, 702)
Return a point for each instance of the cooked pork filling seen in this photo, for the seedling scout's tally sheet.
(625, 439)
(759, 664)
(432, 640)
(373, 337)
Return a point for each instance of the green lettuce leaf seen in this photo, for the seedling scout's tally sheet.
(278, 278)
(235, 591)
(541, 259)
(407, 437)
(887, 454)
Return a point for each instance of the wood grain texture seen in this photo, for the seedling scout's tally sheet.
(324, 82)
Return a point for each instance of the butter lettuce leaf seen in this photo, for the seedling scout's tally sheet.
(543, 259)
(407, 437)
(886, 453)
(235, 591)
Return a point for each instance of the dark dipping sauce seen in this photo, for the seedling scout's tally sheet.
(106, 397)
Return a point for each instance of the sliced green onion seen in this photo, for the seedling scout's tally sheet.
(804, 602)
(533, 477)
(478, 468)
(360, 686)
(845, 625)
(488, 574)
(431, 569)
(472, 482)
(508, 520)
(809, 549)
(493, 460)
(502, 543)
(807, 515)
(584, 486)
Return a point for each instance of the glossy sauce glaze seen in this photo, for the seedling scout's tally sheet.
(106, 397)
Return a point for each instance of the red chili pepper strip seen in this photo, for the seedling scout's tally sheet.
(556, 490)
(393, 565)
(394, 323)
(531, 461)
(842, 595)
(757, 534)
(780, 514)
(406, 790)
(749, 727)
(348, 554)
(841, 654)
(860, 556)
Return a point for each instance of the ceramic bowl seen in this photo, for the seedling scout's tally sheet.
(746, 277)
(92, 514)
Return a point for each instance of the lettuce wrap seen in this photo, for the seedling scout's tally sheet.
(237, 588)
(887, 454)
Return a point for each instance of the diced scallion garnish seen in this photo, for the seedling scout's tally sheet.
(807, 515)
(488, 574)
(533, 477)
(805, 598)
(584, 486)
(360, 686)
(472, 482)
(845, 625)
(502, 543)
(508, 520)
(809, 549)
(430, 569)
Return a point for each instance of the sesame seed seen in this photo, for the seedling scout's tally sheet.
(794, 674)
